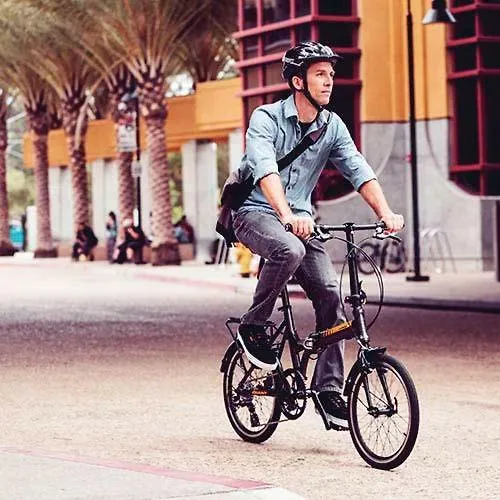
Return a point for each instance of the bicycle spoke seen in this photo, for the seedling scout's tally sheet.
(382, 416)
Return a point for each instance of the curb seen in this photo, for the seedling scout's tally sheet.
(181, 481)
(391, 301)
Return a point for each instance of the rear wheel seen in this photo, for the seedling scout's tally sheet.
(384, 413)
(369, 251)
(250, 399)
(394, 257)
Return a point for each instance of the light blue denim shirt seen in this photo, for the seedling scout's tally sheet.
(274, 131)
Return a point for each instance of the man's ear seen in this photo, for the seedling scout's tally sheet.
(297, 83)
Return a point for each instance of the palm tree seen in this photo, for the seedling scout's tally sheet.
(6, 247)
(34, 92)
(120, 83)
(48, 50)
(210, 50)
(144, 35)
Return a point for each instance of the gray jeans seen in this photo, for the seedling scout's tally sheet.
(285, 256)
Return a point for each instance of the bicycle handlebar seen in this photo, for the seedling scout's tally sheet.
(322, 231)
(377, 226)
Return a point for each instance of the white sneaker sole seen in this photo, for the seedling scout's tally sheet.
(337, 421)
(257, 362)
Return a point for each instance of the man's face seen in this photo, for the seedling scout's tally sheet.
(320, 81)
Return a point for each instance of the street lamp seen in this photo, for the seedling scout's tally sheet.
(130, 103)
(438, 13)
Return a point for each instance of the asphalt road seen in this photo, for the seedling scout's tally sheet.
(114, 367)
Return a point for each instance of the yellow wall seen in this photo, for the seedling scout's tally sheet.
(384, 69)
(212, 113)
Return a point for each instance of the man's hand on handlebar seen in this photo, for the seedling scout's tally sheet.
(393, 222)
(302, 227)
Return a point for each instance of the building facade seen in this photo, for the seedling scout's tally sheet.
(457, 98)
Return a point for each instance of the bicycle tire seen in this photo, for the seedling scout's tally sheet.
(241, 405)
(364, 265)
(394, 257)
(373, 430)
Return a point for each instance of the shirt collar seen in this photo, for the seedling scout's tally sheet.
(290, 111)
(289, 107)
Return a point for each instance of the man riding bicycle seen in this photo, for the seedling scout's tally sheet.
(284, 197)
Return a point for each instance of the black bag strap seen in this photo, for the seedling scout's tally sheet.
(306, 142)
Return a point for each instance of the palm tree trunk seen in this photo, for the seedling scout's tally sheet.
(121, 84)
(78, 165)
(125, 185)
(40, 128)
(6, 247)
(165, 249)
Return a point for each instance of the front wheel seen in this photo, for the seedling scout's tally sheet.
(383, 413)
(250, 398)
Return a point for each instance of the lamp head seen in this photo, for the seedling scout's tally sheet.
(439, 13)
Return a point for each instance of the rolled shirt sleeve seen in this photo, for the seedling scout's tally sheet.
(348, 160)
(261, 151)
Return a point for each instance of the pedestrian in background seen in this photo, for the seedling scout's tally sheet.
(111, 233)
(244, 257)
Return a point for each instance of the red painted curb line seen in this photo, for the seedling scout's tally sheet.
(237, 484)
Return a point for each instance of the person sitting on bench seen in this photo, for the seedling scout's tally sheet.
(85, 242)
(132, 243)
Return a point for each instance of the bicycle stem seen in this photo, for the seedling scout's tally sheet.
(355, 299)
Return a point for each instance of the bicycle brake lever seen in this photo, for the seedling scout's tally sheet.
(383, 236)
(320, 235)
(317, 234)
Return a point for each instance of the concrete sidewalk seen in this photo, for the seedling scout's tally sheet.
(35, 475)
(461, 291)
(472, 291)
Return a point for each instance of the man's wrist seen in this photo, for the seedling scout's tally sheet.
(286, 216)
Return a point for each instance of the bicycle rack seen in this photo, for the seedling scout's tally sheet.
(222, 253)
(436, 249)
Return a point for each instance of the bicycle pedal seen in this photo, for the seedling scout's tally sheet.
(335, 427)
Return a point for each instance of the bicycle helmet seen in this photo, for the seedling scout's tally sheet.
(297, 60)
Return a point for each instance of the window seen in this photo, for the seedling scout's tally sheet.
(249, 14)
(250, 47)
(302, 7)
(492, 111)
(272, 73)
(466, 121)
(251, 76)
(335, 7)
(275, 10)
(276, 42)
(303, 33)
(475, 84)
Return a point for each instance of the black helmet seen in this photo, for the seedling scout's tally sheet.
(297, 59)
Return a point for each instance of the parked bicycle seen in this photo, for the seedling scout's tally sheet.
(389, 255)
(383, 408)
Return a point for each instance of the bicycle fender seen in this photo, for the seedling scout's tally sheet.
(355, 368)
(370, 355)
(230, 351)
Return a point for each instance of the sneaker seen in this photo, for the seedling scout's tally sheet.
(335, 409)
(253, 339)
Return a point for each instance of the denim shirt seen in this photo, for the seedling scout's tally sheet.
(274, 131)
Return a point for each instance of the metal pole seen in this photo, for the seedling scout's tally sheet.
(413, 151)
(138, 158)
(496, 240)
